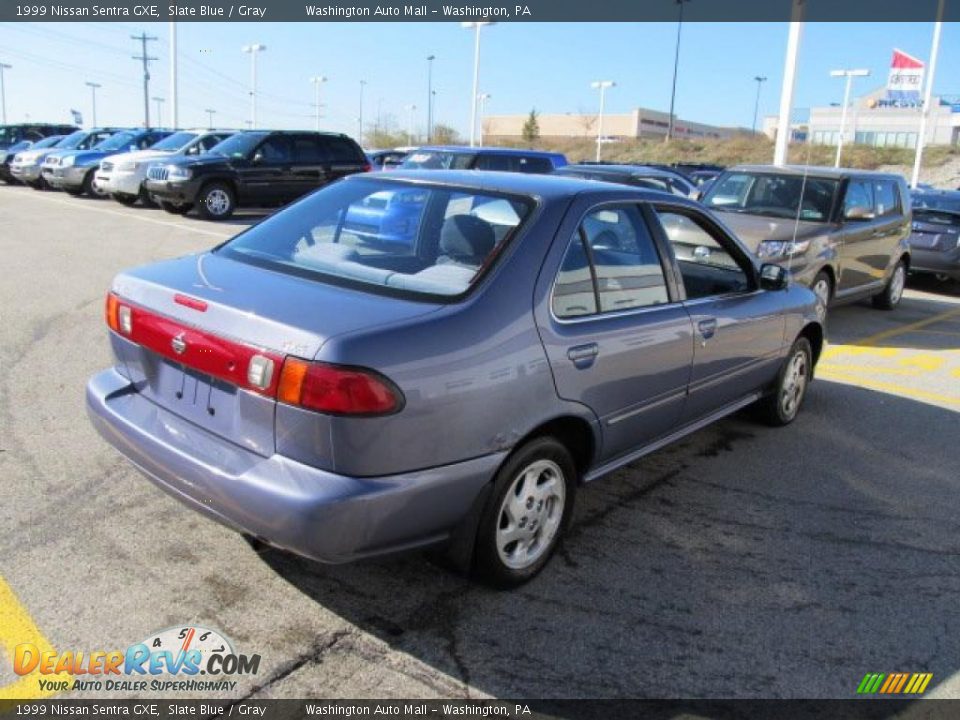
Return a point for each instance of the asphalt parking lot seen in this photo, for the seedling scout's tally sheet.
(743, 562)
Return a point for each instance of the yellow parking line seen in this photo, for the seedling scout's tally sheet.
(890, 387)
(16, 627)
(893, 332)
(867, 369)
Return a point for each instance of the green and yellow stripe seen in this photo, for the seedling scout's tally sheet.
(894, 683)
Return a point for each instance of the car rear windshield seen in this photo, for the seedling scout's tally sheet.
(938, 202)
(773, 195)
(387, 236)
(175, 141)
(438, 160)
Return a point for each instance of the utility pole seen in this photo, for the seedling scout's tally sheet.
(430, 59)
(174, 101)
(159, 102)
(210, 112)
(144, 39)
(93, 91)
(3, 96)
(676, 65)
(317, 81)
(760, 79)
(253, 50)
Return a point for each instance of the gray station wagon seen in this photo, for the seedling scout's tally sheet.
(841, 232)
(344, 394)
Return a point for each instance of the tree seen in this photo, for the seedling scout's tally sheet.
(444, 135)
(531, 128)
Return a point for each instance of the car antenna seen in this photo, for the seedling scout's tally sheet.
(796, 220)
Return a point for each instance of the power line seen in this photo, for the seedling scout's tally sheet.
(144, 38)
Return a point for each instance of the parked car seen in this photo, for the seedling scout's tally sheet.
(452, 157)
(31, 132)
(74, 171)
(935, 240)
(386, 159)
(7, 156)
(841, 232)
(636, 175)
(123, 176)
(28, 164)
(254, 168)
(304, 385)
(701, 177)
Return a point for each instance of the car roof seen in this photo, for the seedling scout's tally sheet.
(487, 150)
(811, 170)
(549, 187)
(629, 170)
(267, 131)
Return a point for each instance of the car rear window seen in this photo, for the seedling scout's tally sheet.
(342, 150)
(438, 160)
(387, 236)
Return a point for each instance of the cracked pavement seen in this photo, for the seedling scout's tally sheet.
(742, 562)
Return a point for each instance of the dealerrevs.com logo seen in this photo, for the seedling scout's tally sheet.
(186, 659)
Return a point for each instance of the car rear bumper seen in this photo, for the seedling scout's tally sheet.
(936, 261)
(321, 515)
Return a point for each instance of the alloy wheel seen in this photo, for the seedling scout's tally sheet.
(530, 514)
(794, 384)
(217, 201)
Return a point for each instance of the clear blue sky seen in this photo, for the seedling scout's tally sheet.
(546, 66)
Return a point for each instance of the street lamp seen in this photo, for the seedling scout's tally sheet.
(676, 63)
(482, 99)
(3, 96)
(317, 81)
(210, 113)
(360, 119)
(253, 50)
(430, 59)
(93, 93)
(476, 76)
(756, 106)
(849, 75)
(159, 102)
(602, 86)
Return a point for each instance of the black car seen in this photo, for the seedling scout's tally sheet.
(31, 132)
(253, 168)
(935, 237)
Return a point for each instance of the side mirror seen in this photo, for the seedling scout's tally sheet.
(858, 212)
(258, 157)
(773, 277)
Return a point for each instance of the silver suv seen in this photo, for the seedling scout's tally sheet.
(841, 232)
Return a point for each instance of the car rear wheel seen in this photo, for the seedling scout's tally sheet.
(893, 292)
(823, 288)
(174, 208)
(783, 404)
(124, 199)
(89, 187)
(216, 201)
(526, 514)
(145, 198)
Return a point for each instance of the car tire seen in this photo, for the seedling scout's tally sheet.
(76, 192)
(822, 287)
(145, 198)
(892, 292)
(123, 199)
(517, 535)
(216, 201)
(88, 188)
(175, 209)
(781, 406)
(39, 184)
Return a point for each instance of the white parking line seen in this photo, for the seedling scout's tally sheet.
(85, 206)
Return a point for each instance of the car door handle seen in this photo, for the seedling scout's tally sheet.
(583, 356)
(707, 328)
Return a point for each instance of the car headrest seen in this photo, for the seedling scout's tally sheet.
(466, 236)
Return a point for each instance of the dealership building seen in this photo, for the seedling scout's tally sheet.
(640, 123)
(873, 120)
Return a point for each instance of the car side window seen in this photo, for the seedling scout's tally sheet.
(535, 165)
(611, 264)
(496, 162)
(708, 268)
(859, 198)
(306, 150)
(886, 198)
(341, 151)
(275, 150)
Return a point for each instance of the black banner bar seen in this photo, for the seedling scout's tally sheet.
(458, 11)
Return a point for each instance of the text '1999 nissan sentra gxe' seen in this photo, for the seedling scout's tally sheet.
(344, 394)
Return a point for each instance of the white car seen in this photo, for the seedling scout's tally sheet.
(122, 176)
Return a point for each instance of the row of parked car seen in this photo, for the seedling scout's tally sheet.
(847, 234)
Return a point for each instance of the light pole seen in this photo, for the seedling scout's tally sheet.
(253, 50)
(849, 75)
(927, 96)
(430, 59)
(482, 99)
(93, 95)
(412, 109)
(360, 119)
(174, 94)
(756, 105)
(210, 113)
(159, 102)
(676, 64)
(476, 77)
(3, 96)
(781, 145)
(602, 86)
(317, 81)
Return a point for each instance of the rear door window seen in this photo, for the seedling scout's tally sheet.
(886, 198)
(859, 198)
(306, 150)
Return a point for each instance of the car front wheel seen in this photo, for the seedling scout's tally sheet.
(823, 289)
(893, 292)
(216, 201)
(526, 514)
(783, 404)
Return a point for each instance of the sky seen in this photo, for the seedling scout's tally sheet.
(546, 66)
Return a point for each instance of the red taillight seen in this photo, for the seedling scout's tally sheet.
(336, 389)
(119, 316)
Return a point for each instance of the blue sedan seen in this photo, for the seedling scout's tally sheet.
(343, 392)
